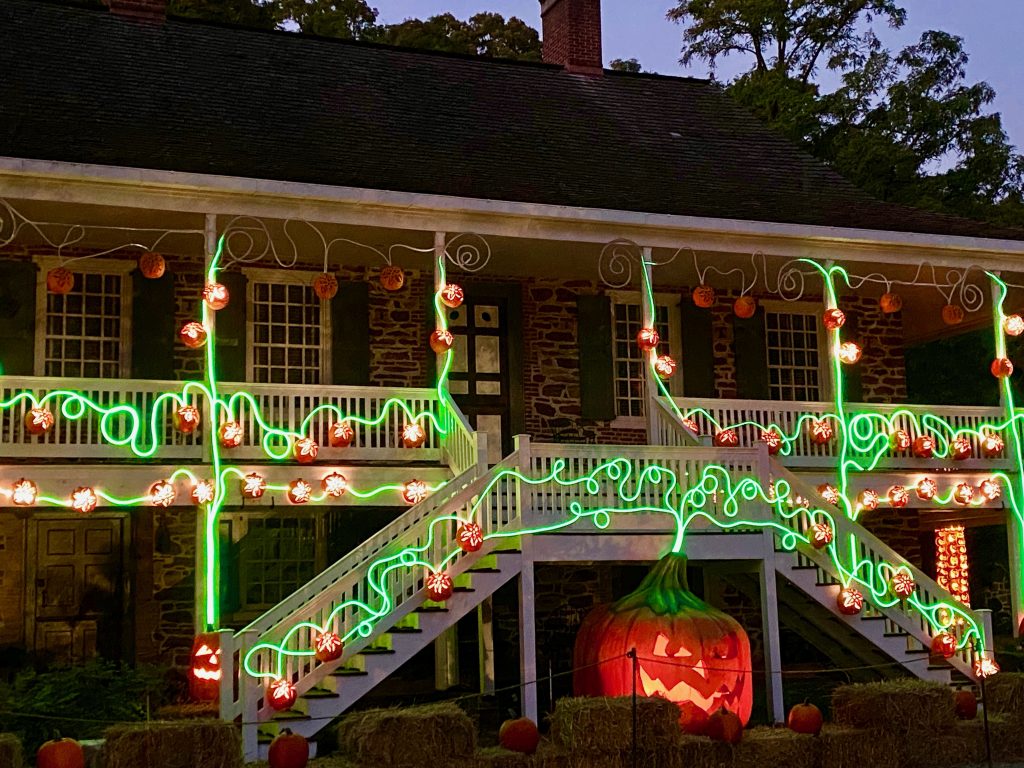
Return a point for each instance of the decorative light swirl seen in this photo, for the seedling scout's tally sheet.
(468, 251)
(615, 264)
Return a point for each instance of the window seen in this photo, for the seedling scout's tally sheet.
(630, 383)
(794, 355)
(87, 331)
(277, 555)
(287, 330)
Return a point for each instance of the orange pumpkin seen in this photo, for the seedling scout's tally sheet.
(60, 753)
(282, 695)
(834, 319)
(60, 280)
(966, 705)
(441, 341)
(952, 314)
(152, 265)
(805, 718)
(205, 671)
(392, 278)
(1001, 367)
(325, 286)
(519, 735)
(703, 296)
(724, 725)
(944, 645)
(288, 750)
(726, 438)
(216, 296)
(439, 586)
(328, 647)
(745, 307)
(890, 302)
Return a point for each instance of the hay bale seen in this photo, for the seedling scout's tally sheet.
(1007, 738)
(599, 724)
(776, 748)
(10, 751)
(895, 706)
(499, 757)
(702, 752)
(1004, 694)
(408, 737)
(855, 748)
(191, 711)
(174, 744)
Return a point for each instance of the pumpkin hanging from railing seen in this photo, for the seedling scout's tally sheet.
(687, 651)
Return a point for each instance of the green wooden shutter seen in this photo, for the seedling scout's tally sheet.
(230, 593)
(350, 334)
(597, 367)
(751, 352)
(698, 350)
(853, 389)
(153, 330)
(17, 318)
(231, 329)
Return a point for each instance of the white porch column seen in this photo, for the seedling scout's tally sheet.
(485, 641)
(770, 630)
(209, 435)
(527, 633)
(647, 320)
(828, 303)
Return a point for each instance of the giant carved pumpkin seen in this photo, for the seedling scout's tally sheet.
(687, 651)
(204, 670)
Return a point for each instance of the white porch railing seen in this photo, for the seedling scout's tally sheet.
(805, 452)
(665, 428)
(462, 448)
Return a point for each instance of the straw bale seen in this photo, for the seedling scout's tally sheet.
(895, 706)
(191, 711)
(702, 752)
(855, 748)
(408, 737)
(174, 744)
(1007, 738)
(776, 748)
(1004, 694)
(499, 757)
(10, 751)
(605, 724)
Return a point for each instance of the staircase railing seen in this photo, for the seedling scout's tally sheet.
(665, 427)
(873, 551)
(462, 448)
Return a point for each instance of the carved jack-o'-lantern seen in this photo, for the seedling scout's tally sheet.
(944, 645)
(820, 534)
(902, 584)
(60, 280)
(1001, 367)
(926, 489)
(849, 353)
(186, 419)
(193, 335)
(216, 296)
(1013, 325)
(340, 434)
(39, 420)
(829, 493)
(703, 296)
(254, 485)
(281, 695)
(745, 307)
(328, 647)
(205, 672)
(890, 303)
(868, 500)
(452, 296)
(898, 497)
(439, 586)
(963, 493)
(726, 438)
(773, 440)
(924, 446)
(325, 286)
(334, 485)
(899, 440)
(441, 341)
(821, 431)
(992, 445)
(413, 435)
(299, 491)
(688, 652)
(470, 536)
(152, 265)
(849, 601)
(834, 319)
(665, 366)
(952, 314)
(392, 278)
(415, 491)
(647, 339)
(230, 434)
(960, 449)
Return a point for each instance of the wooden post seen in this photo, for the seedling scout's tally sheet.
(249, 691)
(648, 320)
(770, 630)
(527, 633)
(485, 640)
(209, 436)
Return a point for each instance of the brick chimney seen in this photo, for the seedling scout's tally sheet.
(140, 10)
(572, 35)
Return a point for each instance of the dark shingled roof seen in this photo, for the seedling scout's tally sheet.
(82, 85)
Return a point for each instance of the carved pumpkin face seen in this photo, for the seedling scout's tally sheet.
(325, 286)
(340, 434)
(952, 314)
(152, 265)
(890, 302)
(470, 536)
(834, 319)
(441, 341)
(689, 652)
(452, 296)
(745, 307)
(1002, 367)
(960, 449)
(60, 280)
(193, 335)
(665, 366)
(392, 278)
(924, 446)
(704, 296)
(205, 671)
(305, 450)
(726, 438)
(773, 440)
(944, 645)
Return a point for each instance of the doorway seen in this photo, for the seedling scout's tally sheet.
(77, 587)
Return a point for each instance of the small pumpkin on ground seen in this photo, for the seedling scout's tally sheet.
(966, 705)
(724, 725)
(60, 753)
(805, 718)
(519, 735)
(288, 750)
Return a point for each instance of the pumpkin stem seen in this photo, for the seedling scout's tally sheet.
(664, 589)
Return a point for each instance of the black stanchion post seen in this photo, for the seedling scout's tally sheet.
(636, 674)
(984, 717)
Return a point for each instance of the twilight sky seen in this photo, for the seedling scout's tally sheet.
(637, 28)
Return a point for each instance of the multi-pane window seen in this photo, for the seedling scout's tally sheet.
(276, 556)
(630, 385)
(794, 362)
(287, 334)
(84, 328)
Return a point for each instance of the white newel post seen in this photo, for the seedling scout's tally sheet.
(648, 321)
(448, 419)
(209, 435)
(249, 691)
(527, 633)
(770, 629)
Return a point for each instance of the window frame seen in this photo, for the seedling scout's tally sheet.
(671, 302)
(300, 277)
(776, 306)
(97, 266)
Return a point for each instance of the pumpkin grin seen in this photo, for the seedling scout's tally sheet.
(683, 692)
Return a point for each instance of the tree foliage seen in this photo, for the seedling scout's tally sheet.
(905, 125)
(625, 65)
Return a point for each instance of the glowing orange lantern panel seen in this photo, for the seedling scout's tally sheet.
(254, 485)
(186, 419)
(24, 493)
(162, 494)
(203, 492)
(849, 352)
(305, 450)
(992, 445)
(1013, 325)
(926, 489)
(282, 695)
(898, 496)
(230, 434)
(340, 434)
(413, 435)
(452, 296)
(216, 296)
(833, 319)
(441, 341)
(192, 335)
(899, 440)
(328, 647)
(439, 586)
(415, 491)
(868, 499)
(850, 601)
(470, 536)
(951, 565)
(299, 491)
(665, 366)
(647, 339)
(821, 431)
(84, 500)
(902, 584)
(773, 440)
(39, 420)
(334, 485)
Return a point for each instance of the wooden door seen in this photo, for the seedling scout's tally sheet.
(78, 587)
(479, 378)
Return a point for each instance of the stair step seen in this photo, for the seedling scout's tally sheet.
(803, 567)
(348, 672)
(484, 570)
(319, 693)
(872, 618)
(376, 651)
(431, 609)
(289, 715)
(506, 552)
(919, 651)
(404, 630)
(463, 589)
(901, 633)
